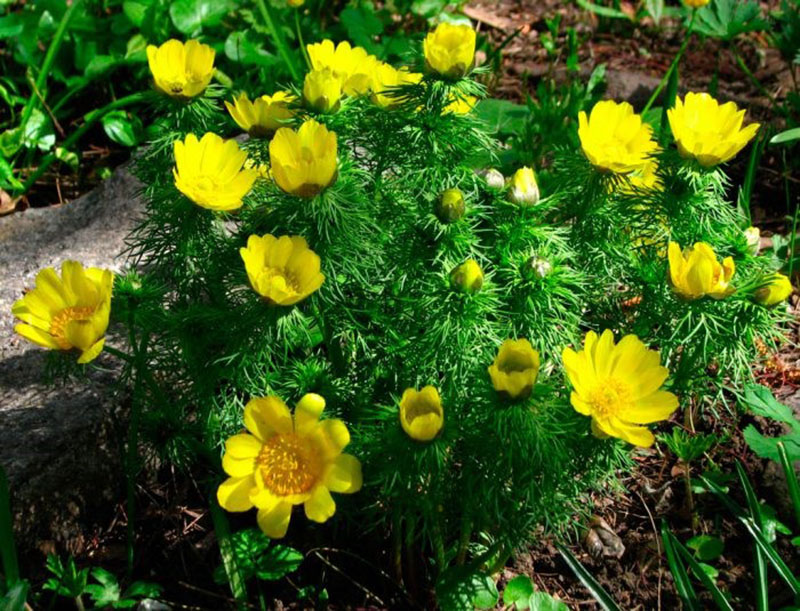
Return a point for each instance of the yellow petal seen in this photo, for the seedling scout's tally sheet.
(344, 474)
(234, 493)
(265, 416)
(274, 522)
(320, 506)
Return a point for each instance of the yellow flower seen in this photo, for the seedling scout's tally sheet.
(322, 90)
(421, 413)
(523, 188)
(451, 206)
(515, 368)
(181, 71)
(695, 272)
(618, 385)
(450, 49)
(263, 115)
(708, 131)
(296, 3)
(461, 106)
(385, 78)
(777, 289)
(614, 138)
(696, 3)
(467, 277)
(67, 313)
(353, 66)
(645, 177)
(304, 162)
(286, 460)
(210, 172)
(282, 270)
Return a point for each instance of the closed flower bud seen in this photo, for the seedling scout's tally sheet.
(753, 237)
(537, 268)
(523, 189)
(696, 3)
(322, 90)
(778, 289)
(494, 179)
(467, 277)
(515, 368)
(450, 206)
(695, 272)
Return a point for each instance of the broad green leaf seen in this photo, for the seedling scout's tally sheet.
(706, 547)
(767, 447)
(518, 592)
(121, 128)
(760, 401)
(465, 588)
(363, 26)
(541, 601)
(245, 47)
(106, 592)
(502, 117)
(790, 135)
(38, 132)
(277, 562)
(191, 16)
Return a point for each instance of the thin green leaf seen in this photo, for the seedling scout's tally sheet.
(790, 135)
(679, 574)
(791, 481)
(602, 597)
(705, 579)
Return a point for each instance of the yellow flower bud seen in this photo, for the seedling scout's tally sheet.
(181, 70)
(695, 272)
(322, 90)
(708, 131)
(523, 189)
(450, 206)
(296, 3)
(515, 368)
(753, 237)
(421, 413)
(696, 3)
(778, 289)
(467, 277)
(450, 50)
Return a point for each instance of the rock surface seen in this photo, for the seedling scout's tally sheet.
(56, 443)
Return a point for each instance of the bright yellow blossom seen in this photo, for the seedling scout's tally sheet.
(385, 78)
(614, 138)
(210, 172)
(467, 277)
(451, 206)
(284, 460)
(282, 270)
(695, 272)
(353, 66)
(777, 289)
(421, 413)
(618, 385)
(304, 162)
(322, 90)
(296, 3)
(181, 70)
(696, 3)
(450, 49)
(523, 188)
(708, 131)
(68, 312)
(515, 368)
(264, 115)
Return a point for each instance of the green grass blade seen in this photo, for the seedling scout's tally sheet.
(791, 481)
(760, 560)
(777, 562)
(590, 583)
(679, 574)
(705, 579)
(8, 550)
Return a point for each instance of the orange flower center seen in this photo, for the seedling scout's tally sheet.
(289, 464)
(610, 398)
(58, 325)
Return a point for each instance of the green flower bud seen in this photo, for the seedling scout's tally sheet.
(494, 179)
(450, 206)
(536, 267)
(467, 277)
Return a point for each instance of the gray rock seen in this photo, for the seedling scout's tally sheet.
(56, 445)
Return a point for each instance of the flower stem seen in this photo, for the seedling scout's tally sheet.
(300, 38)
(8, 551)
(277, 39)
(673, 65)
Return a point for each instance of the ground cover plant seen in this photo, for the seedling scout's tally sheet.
(345, 323)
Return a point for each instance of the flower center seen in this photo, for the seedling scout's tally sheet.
(516, 361)
(282, 280)
(610, 397)
(289, 464)
(420, 407)
(59, 323)
(206, 184)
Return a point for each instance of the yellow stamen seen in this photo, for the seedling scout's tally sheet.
(289, 465)
(610, 398)
(60, 321)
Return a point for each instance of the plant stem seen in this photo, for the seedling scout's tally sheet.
(762, 90)
(793, 239)
(47, 64)
(673, 65)
(223, 532)
(463, 542)
(791, 481)
(8, 550)
(79, 603)
(300, 38)
(277, 39)
(90, 119)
